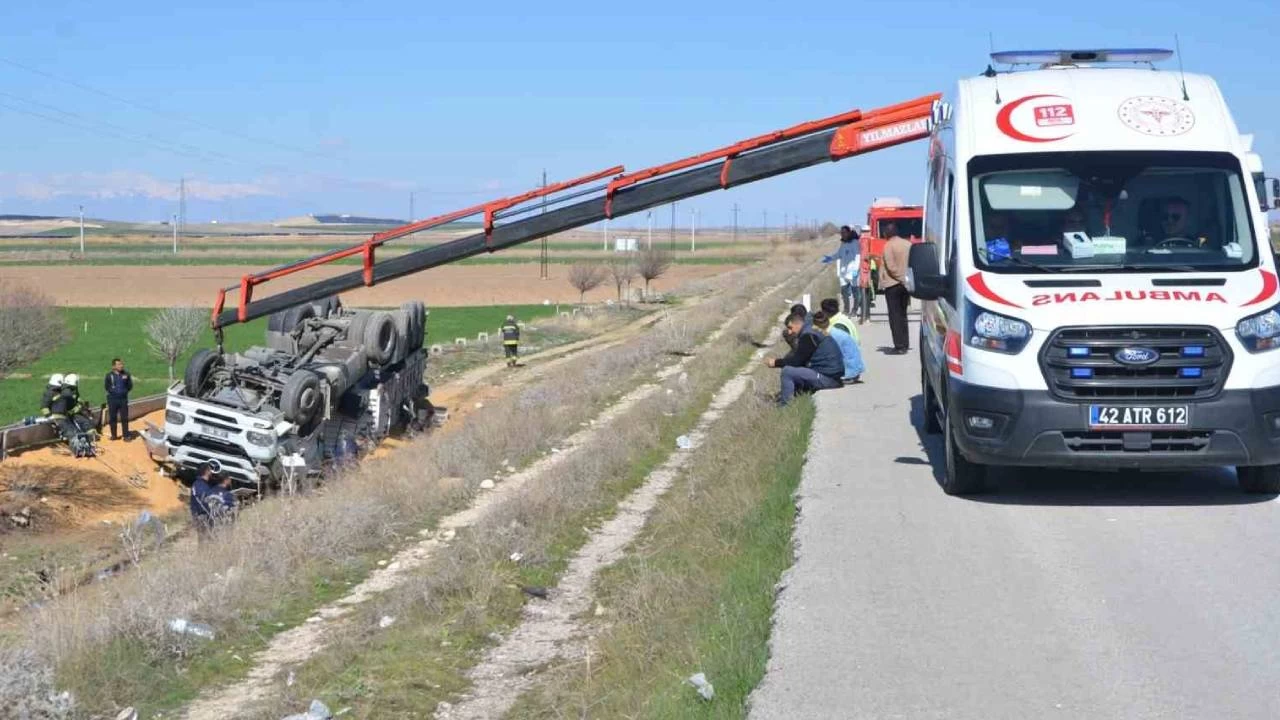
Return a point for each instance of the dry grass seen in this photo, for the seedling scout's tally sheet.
(40, 498)
(695, 594)
(109, 642)
(448, 614)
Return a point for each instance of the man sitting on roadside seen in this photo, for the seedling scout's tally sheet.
(841, 329)
(815, 363)
(789, 336)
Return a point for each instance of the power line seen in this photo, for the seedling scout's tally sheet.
(165, 113)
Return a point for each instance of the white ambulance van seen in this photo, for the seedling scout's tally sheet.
(1099, 286)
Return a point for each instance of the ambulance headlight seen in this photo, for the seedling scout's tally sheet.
(1260, 332)
(998, 333)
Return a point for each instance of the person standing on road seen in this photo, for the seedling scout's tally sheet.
(848, 261)
(511, 340)
(118, 383)
(896, 251)
(866, 294)
(814, 364)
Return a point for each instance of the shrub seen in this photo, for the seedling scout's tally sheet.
(29, 325)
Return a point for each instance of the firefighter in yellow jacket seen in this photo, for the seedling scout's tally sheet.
(510, 340)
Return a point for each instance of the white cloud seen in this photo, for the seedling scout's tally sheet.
(126, 183)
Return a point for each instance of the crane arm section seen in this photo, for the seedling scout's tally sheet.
(576, 203)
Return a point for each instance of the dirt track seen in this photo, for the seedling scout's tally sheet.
(159, 286)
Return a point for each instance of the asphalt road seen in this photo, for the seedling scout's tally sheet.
(1058, 595)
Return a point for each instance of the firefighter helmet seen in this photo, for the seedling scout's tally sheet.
(55, 380)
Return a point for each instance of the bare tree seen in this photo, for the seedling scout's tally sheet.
(172, 331)
(622, 268)
(30, 325)
(654, 263)
(586, 277)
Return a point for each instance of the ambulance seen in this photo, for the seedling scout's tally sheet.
(1099, 289)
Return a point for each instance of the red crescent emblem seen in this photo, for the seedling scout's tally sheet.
(1004, 121)
(1269, 285)
(979, 285)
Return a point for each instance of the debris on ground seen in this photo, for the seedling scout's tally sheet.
(385, 622)
(182, 626)
(534, 591)
(517, 557)
(486, 484)
(704, 688)
(684, 442)
(317, 711)
(127, 714)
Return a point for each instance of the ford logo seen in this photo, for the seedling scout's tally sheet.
(1136, 355)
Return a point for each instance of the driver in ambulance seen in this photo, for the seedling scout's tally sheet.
(1174, 219)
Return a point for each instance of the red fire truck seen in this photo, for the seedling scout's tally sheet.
(908, 218)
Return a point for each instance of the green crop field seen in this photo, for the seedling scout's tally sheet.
(95, 335)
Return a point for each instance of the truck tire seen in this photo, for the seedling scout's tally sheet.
(1259, 479)
(286, 320)
(380, 338)
(931, 407)
(420, 313)
(403, 320)
(413, 335)
(960, 477)
(198, 369)
(300, 400)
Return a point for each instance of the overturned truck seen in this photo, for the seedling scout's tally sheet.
(327, 378)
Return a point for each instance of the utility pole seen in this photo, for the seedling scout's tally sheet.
(671, 237)
(735, 222)
(606, 235)
(81, 232)
(693, 230)
(544, 260)
(182, 206)
(175, 232)
(766, 224)
(410, 206)
(649, 214)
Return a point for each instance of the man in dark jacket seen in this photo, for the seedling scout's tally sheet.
(815, 363)
(511, 340)
(118, 383)
(211, 501)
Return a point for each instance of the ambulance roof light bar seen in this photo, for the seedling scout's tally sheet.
(1073, 57)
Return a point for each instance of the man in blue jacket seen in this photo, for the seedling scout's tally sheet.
(814, 363)
(118, 384)
(211, 501)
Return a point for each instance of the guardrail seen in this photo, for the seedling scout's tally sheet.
(19, 436)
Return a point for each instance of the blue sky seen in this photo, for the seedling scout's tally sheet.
(279, 107)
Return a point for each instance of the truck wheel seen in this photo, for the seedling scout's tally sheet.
(301, 398)
(420, 335)
(1259, 479)
(380, 338)
(931, 407)
(413, 310)
(960, 476)
(286, 320)
(403, 320)
(198, 369)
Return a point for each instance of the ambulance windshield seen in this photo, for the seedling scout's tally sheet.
(1111, 212)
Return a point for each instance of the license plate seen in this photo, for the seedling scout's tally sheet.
(1137, 416)
(215, 432)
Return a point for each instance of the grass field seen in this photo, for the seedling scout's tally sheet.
(95, 335)
(293, 245)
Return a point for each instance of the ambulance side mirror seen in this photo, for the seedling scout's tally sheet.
(925, 279)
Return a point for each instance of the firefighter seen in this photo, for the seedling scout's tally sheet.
(52, 391)
(511, 340)
(68, 413)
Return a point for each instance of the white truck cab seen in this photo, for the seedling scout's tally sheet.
(1099, 286)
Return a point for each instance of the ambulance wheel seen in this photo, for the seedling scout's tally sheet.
(931, 407)
(1259, 479)
(300, 399)
(198, 369)
(960, 477)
